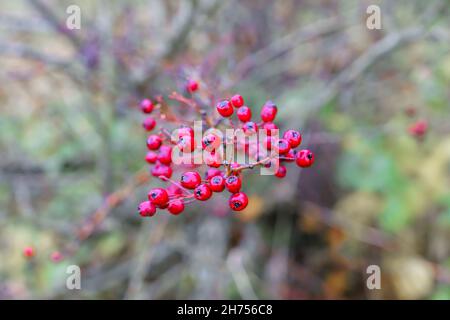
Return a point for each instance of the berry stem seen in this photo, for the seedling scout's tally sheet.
(231, 123)
(164, 178)
(251, 166)
(189, 102)
(166, 133)
(189, 201)
(183, 197)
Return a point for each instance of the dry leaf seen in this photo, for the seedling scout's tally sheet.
(253, 210)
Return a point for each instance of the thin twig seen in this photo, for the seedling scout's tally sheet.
(26, 52)
(181, 26)
(87, 228)
(47, 13)
(287, 43)
(145, 249)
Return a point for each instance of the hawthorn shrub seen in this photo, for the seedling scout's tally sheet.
(212, 152)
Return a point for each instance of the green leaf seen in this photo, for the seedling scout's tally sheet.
(368, 171)
(395, 215)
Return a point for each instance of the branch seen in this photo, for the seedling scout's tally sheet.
(23, 51)
(287, 43)
(17, 24)
(145, 248)
(379, 50)
(87, 228)
(54, 21)
(181, 26)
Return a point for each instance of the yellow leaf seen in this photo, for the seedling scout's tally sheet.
(253, 210)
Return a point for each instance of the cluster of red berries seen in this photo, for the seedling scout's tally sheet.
(191, 186)
(55, 256)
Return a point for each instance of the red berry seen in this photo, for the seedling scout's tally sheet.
(217, 183)
(161, 170)
(270, 141)
(146, 106)
(237, 101)
(186, 143)
(163, 206)
(269, 111)
(182, 131)
(151, 157)
(158, 196)
(304, 158)
(290, 156)
(419, 128)
(213, 159)
(234, 165)
(210, 142)
(233, 184)
(270, 163)
(28, 252)
(165, 154)
(212, 173)
(190, 179)
(282, 146)
(149, 124)
(269, 127)
(293, 137)
(192, 85)
(202, 192)
(56, 256)
(225, 108)
(243, 144)
(176, 207)
(146, 209)
(281, 172)
(174, 190)
(250, 128)
(238, 201)
(244, 113)
(154, 142)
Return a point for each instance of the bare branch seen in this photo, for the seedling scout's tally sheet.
(182, 25)
(289, 42)
(54, 21)
(26, 52)
(379, 50)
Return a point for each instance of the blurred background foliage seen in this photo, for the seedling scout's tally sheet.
(71, 149)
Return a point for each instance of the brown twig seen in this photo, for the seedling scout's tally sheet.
(87, 228)
(145, 249)
(47, 13)
(287, 43)
(379, 50)
(182, 99)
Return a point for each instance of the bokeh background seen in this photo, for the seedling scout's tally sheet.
(374, 106)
